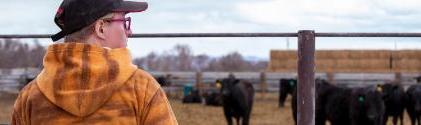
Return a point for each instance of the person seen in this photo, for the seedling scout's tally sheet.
(89, 78)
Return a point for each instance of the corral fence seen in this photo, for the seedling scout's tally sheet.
(12, 79)
(305, 61)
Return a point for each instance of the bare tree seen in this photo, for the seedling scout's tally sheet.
(181, 58)
(233, 62)
(36, 55)
(200, 62)
(184, 57)
(151, 61)
(15, 54)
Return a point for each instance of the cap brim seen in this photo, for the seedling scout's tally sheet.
(131, 6)
(58, 36)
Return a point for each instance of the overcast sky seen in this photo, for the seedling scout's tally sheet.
(202, 16)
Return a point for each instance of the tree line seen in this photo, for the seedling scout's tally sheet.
(17, 54)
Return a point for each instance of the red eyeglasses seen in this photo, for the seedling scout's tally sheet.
(127, 22)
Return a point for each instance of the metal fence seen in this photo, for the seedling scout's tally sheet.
(306, 62)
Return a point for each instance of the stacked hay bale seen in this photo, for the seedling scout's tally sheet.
(350, 61)
(407, 61)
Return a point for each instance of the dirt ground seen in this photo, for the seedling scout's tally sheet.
(6, 105)
(265, 112)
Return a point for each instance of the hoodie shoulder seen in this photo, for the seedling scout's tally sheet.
(147, 76)
(153, 105)
(20, 112)
(145, 85)
(26, 91)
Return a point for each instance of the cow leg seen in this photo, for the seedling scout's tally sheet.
(419, 119)
(401, 118)
(413, 122)
(282, 98)
(238, 120)
(385, 118)
(395, 120)
(229, 120)
(411, 117)
(228, 116)
(246, 119)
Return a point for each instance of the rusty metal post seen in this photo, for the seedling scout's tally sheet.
(306, 70)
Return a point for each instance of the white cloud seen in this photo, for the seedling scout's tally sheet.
(170, 16)
(27, 16)
(333, 15)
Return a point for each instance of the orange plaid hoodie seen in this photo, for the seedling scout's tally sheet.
(88, 84)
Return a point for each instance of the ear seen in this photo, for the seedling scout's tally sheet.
(379, 88)
(100, 29)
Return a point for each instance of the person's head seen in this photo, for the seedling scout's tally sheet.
(102, 22)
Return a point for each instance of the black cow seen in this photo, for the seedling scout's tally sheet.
(164, 81)
(24, 80)
(332, 103)
(418, 79)
(367, 106)
(286, 86)
(213, 98)
(192, 97)
(345, 106)
(237, 96)
(394, 100)
(414, 104)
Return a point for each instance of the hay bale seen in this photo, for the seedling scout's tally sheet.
(408, 54)
(352, 61)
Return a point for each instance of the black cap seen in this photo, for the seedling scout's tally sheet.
(73, 15)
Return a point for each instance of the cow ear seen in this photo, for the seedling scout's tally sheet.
(379, 88)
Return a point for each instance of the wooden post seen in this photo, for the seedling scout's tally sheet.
(330, 77)
(398, 77)
(263, 85)
(306, 70)
(199, 85)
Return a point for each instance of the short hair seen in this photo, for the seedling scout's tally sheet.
(82, 35)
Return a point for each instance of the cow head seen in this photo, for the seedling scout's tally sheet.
(392, 93)
(370, 101)
(228, 85)
(418, 79)
(286, 86)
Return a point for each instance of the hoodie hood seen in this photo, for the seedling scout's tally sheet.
(80, 78)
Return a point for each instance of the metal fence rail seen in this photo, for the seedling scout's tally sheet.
(170, 35)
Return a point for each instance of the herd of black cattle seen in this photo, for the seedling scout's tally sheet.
(369, 105)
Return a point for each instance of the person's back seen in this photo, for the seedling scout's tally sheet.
(90, 78)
